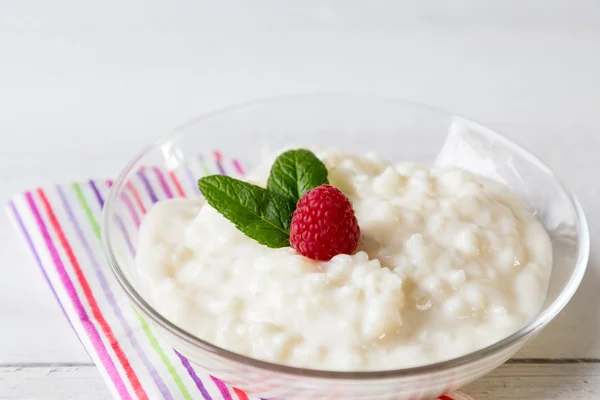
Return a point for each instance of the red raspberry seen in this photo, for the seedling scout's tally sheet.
(324, 224)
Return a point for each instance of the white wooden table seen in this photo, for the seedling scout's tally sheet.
(83, 85)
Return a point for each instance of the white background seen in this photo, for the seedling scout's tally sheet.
(84, 85)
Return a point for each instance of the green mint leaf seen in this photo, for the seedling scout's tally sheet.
(261, 215)
(295, 172)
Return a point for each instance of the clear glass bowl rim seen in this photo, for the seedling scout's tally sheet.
(540, 320)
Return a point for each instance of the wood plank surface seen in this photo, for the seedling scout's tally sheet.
(513, 381)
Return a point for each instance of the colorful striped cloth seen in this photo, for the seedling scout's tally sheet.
(61, 228)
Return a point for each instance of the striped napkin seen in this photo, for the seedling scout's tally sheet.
(60, 226)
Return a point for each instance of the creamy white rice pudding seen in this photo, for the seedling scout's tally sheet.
(448, 263)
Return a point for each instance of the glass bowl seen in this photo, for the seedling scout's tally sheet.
(230, 140)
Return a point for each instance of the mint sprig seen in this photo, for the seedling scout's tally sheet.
(295, 172)
(262, 214)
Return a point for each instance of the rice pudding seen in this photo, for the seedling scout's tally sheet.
(448, 263)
